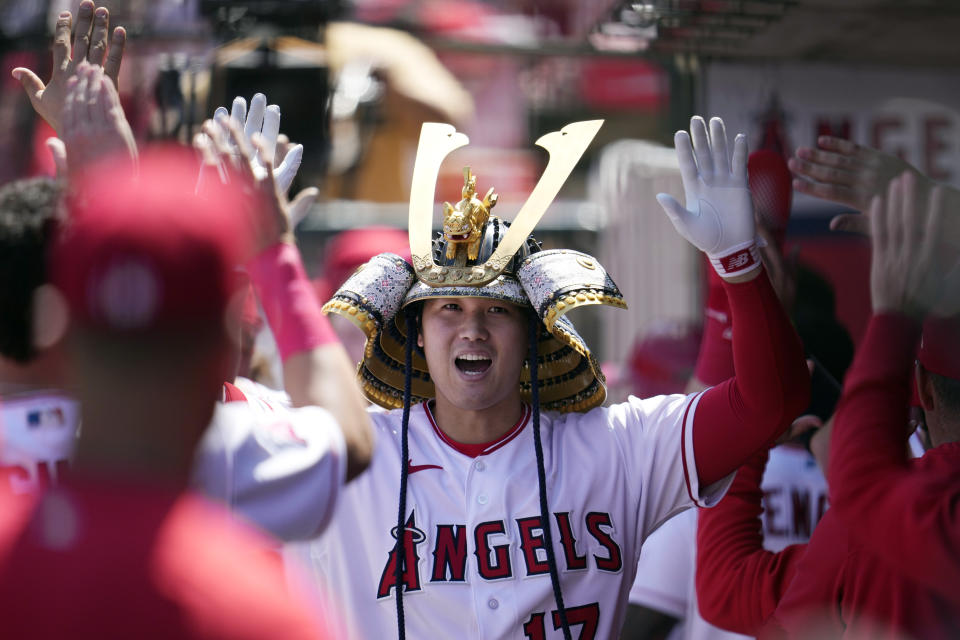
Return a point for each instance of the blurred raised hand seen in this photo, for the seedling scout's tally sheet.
(94, 125)
(89, 43)
(850, 174)
(265, 120)
(910, 270)
(847, 173)
(227, 150)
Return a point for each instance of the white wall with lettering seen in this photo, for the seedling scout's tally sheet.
(914, 113)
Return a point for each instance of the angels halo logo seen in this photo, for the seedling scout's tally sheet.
(408, 557)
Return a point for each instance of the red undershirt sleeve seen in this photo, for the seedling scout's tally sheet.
(715, 358)
(739, 584)
(872, 487)
(771, 386)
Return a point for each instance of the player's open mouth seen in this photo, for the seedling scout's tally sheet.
(473, 364)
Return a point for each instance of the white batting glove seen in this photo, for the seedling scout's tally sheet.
(265, 120)
(718, 218)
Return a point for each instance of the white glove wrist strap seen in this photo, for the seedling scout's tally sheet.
(738, 259)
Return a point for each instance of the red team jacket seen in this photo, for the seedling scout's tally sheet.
(908, 517)
(844, 582)
(844, 589)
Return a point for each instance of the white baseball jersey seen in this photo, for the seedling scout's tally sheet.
(37, 436)
(795, 498)
(474, 558)
(278, 468)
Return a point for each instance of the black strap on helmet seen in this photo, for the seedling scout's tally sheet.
(533, 337)
(411, 321)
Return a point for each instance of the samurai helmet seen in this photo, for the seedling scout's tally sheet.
(478, 254)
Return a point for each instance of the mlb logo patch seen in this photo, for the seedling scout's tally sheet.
(55, 415)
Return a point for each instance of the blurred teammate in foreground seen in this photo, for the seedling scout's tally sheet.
(38, 420)
(122, 548)
(882, 562)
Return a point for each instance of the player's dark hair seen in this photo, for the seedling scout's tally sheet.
(411, 316)
(815, 317)
(29, 213)
(532, 339)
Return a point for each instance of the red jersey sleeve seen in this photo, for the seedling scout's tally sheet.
(715, 358)
(738, 582)
(872, 487)
(771, 386)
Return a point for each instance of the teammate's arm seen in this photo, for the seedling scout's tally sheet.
(316, 367)
(280, 470)
(771, 385)
(739, 583)
(872, 488)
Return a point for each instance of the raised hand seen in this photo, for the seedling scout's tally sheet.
(94, 125)
(718, 217)
(89, 43)
(224, 144)
(265, 120)
(847, 173)
(905, 273)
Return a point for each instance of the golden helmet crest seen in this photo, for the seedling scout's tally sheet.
(437, 141)
(463, 223)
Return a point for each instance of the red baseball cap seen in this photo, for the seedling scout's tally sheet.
(940, 346)
(664, 360)
(350, 249)
(148, 253)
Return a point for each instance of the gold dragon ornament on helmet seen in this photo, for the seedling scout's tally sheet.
(464, 222)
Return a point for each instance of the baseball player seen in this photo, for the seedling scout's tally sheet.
(319, 369)
(121, 549)
(876, 490)
(846, 582)
(488, 541)
(38, 421)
